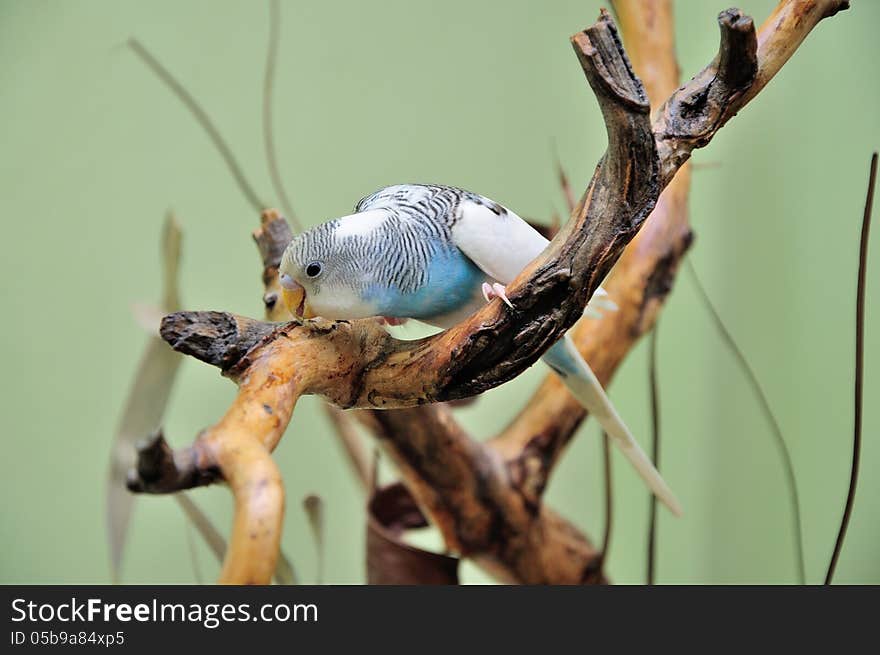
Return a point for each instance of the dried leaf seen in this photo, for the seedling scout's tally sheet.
(145, 405)
(147, 316)
(143, 414)
(391, 511)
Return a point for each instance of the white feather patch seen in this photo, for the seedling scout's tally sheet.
(360, 224)
(500, 245)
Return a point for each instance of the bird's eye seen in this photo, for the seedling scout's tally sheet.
(314, 269)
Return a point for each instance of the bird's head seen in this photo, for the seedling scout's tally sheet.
(322, 273)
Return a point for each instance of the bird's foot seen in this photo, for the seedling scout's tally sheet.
(496, 290)
(602, 300)
(599, 301)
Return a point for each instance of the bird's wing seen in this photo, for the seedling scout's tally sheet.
(502, 244)
(498, 241)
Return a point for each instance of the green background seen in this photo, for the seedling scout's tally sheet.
(94, 150)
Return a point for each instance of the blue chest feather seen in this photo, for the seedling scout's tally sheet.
(452, 281)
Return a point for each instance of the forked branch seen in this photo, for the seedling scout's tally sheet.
(495, 344)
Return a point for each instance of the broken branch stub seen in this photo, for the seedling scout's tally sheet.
(696, 111)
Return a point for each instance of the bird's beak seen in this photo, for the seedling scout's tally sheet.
(294, 296)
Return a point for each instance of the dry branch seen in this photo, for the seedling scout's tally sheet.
(476, 501)
(494, 345)
(487, 499)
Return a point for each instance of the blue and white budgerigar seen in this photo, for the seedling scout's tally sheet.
(436, 254)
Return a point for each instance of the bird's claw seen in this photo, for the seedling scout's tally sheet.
(496, 290)
(600, 300)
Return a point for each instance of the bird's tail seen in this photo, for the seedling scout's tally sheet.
(567, 362)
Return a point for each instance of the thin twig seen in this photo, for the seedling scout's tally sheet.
(609, 500)
(374, 474)
(146, 404)
(202, 119)
(268, 136)
(314, 508)
(197, 518)
(655, 451)
(860, 364)
(193, 555)
(564, 184)
(593, 573)
(353, 445)
(769, 416)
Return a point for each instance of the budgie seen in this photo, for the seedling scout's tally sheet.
(436, 254)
